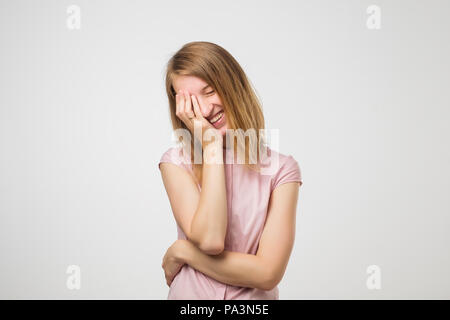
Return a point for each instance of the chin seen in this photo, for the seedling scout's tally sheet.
(223, 130)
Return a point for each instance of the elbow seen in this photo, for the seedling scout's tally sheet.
(269, 281)
(267, 285)
(212, 248)
(209, 243)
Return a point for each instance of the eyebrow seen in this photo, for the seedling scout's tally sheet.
(204, 88)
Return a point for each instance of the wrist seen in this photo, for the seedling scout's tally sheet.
(213, 153)
(183, 252)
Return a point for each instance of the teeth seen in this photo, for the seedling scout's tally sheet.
(217, 118)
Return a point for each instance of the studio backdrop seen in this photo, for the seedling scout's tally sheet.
(359, 91)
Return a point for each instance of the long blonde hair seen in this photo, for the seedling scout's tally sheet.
(217, 67)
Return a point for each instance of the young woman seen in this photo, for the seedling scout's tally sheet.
(235, 221)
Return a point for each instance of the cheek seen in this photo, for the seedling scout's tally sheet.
(215, 100)
(224, 127)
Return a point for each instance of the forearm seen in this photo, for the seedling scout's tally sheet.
(233, 268)
(209, 224)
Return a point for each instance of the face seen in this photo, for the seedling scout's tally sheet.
(209, 101)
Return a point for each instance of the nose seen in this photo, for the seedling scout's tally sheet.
(205, 107)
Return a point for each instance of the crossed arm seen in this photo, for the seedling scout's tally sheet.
(263, 270)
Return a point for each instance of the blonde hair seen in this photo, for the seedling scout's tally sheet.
(217, 67)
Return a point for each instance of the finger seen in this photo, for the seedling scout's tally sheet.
(198, 113)
(181, 103)
(188, 106)
(168, 280)
(177, 104)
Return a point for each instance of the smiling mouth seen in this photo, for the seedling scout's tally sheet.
(217, 117)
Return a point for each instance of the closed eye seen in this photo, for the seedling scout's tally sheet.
(211, 92)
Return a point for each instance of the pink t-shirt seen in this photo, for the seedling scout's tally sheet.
(248, 194)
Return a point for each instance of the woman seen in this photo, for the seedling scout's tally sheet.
(236, 222)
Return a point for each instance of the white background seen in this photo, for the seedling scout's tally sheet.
(84, 120)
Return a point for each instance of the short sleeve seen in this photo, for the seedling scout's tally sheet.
(288, 172)
(173, 155)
